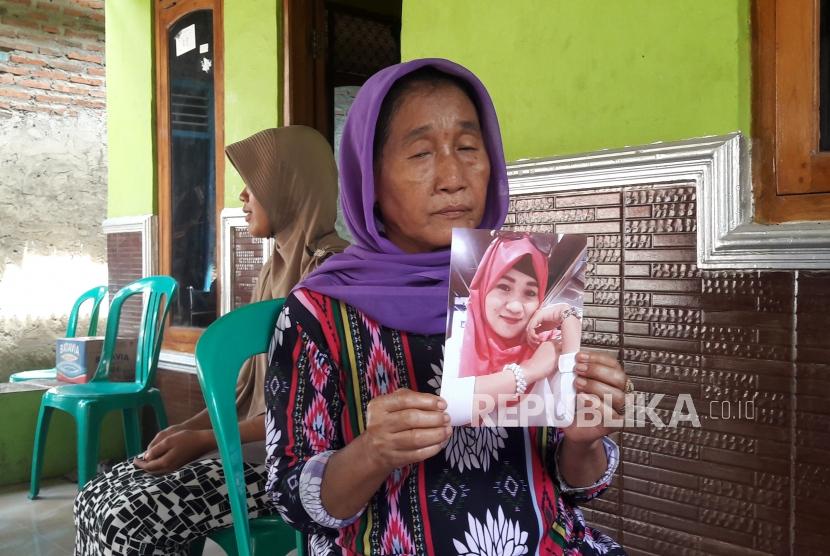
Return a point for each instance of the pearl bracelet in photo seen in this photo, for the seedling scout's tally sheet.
(519, 375)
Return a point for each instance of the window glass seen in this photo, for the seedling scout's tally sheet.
(192, 168)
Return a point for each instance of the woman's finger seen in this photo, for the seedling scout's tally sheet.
(415, 439)
(602, 390)
(601, 368)
(405, 398)
(421, 454)
(407, 419)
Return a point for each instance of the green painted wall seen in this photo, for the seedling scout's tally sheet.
(130, 112)
(19, 406)
(253, 93)
(253, 78)
(567, 76)
(570, 76)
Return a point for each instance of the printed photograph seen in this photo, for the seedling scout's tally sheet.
(513, 327)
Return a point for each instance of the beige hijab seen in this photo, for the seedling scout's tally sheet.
(292, 173)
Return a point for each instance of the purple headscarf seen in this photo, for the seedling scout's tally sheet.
(400, 290)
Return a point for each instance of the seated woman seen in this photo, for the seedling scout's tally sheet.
(497, 353)
(175, 493)
(360, 453)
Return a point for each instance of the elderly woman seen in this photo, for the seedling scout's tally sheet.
(360, 453)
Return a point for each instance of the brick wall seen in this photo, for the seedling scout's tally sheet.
(52, 56)
(53, 189)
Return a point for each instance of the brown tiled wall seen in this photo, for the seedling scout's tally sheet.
(181, 393)
(123, 267)
(246, 262)
(748, 483)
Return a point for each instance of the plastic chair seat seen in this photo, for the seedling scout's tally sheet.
(96, 390)
(39, 374)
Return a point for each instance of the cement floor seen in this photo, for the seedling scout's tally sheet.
(44, 527)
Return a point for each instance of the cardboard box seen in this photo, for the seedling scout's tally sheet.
(77, 358)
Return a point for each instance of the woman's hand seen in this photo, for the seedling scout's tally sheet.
(405, 427)
(600, 387)
(174, 449)
(162, 434)
(546, 318)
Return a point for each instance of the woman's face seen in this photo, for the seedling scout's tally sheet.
(510, 304)
(255, 215)
(433, 170)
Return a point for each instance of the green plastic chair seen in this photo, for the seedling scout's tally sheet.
(96, 295)
(220, 352)
(89, 403)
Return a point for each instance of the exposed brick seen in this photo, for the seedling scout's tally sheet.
(93, 58)
(85, 81)
(34, 84)
(25, 107)
(14, 93)
(66, 66)
(4, 105)
(6, 31)
(97, 93)
(96, 71)
(81, 34)
(48, 6)
(14, 22)
(39, 16)
(91, 4)
(51, 99)
(95, 26)
(6, 78)
(22, 2)
(25, 60)
(91, 103)
(61, 88)
(94, 47)
(12, 45)
(50, 74)
(74, 12)
(17, 70)
(49, 51)
(51, 29)
(70, 44)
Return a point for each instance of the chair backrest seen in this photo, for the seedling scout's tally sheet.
(157, 292)
(96, 295)
(224, 346)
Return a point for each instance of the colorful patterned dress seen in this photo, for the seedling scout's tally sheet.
(491, 491)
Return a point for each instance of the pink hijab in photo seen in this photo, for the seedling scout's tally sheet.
(484, 352)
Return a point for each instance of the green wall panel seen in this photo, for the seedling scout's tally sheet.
(130, 112)
(253, 82)
(19, 405)
(570, 76)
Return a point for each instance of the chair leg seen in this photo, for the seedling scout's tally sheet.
(132, 431)
(89, 425)
(196, 547)
(158, 407)
(43, 419)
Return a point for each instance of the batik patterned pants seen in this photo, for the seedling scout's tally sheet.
(128, 512)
